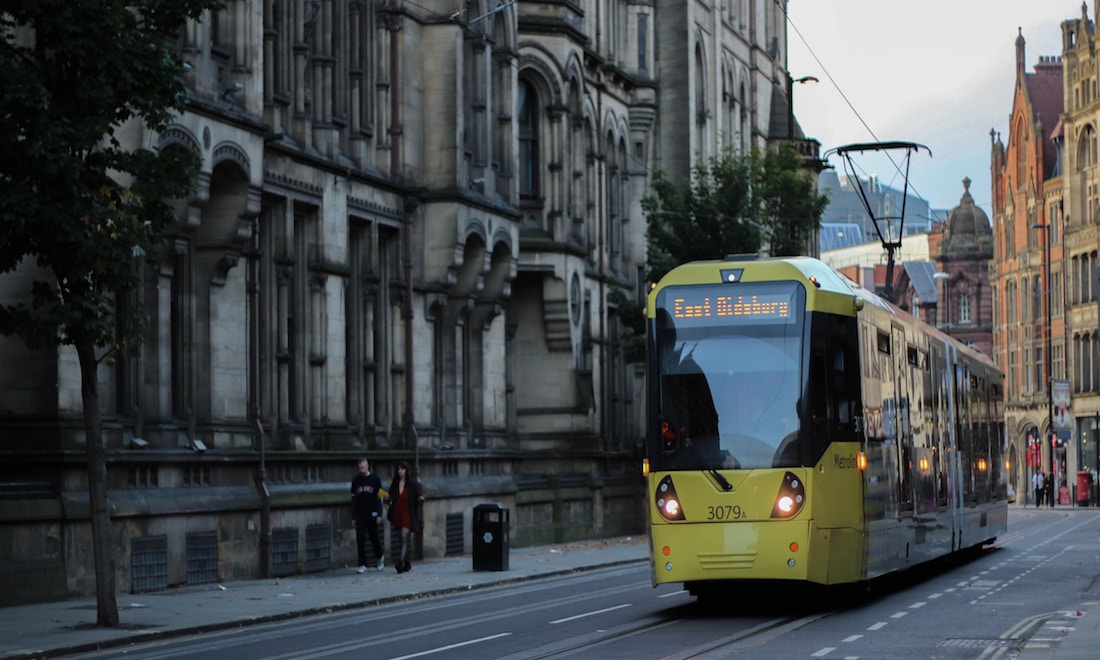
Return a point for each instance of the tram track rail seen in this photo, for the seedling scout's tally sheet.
(741, 641)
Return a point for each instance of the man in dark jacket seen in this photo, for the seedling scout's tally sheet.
(367, 514)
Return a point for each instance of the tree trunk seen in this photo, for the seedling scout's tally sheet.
(106, 602)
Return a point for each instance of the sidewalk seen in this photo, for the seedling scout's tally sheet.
(58, 628)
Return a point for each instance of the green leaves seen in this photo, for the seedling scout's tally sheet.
(734, 203)
(76, 201)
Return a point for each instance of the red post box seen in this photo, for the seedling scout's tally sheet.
(1084, 481)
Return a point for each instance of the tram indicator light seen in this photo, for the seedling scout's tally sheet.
(667, 501)
(791, 497)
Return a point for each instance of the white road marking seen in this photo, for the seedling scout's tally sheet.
(581, 616)
(452, 646)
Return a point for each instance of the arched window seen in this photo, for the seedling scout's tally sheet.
(1089, 278)
(1025, 301)
(1092, 362)
(1010, 302)
(624, 206)
(964, 308)
(1037, 300)
(611, 192)
(743, 127)
(1088, 188)
(729, 107)
(502, 124)
(1021, 154)
(701, 102)
(528, 104)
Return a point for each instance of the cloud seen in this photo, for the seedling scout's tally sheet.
(940, 73)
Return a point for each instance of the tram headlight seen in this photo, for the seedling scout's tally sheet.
(790, 498)
(668, 502)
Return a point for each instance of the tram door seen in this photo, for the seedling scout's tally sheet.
(904, 436)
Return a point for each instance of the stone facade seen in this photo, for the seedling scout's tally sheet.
(408, 223)
(1046, 187)
(961, 252)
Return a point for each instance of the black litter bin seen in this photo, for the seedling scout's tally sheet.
(490, 537)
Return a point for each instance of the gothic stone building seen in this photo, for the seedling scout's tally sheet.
(409, 220)
(1046, 213)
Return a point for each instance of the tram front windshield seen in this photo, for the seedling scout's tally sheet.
(728, 373)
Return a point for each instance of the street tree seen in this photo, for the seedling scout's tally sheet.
(761, 201)
(735, 203)
(788, 205)
(84, 200)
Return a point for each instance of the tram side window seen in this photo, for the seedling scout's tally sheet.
(833, 394)
(965, 432)
(998, 442)
(940, 417)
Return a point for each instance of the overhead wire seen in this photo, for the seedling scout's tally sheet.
(782, 5)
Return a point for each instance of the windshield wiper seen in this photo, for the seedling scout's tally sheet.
(668, 436)
(726, 485)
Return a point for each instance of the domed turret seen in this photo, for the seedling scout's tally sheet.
(968, 230)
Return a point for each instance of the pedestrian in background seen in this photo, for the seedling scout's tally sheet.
(367, 515)
(1037, 484)
(404, 513)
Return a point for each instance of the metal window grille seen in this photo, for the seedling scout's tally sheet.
(202, 557)
(284, 551)
(26, 490)
(148, 563)
(456, 533)
(318, 547)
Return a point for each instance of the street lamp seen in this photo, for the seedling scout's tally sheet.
(790, 100)
(1047, 359)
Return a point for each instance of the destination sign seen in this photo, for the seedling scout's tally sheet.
(770, 306)
(768, 302)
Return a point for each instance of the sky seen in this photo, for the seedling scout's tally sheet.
(940, 73)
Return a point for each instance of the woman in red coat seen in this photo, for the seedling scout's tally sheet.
(404, 514)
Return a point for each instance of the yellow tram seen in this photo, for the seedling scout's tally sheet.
(803, 429)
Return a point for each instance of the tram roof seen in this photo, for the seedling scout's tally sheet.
(763, 269)
(820, 277)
